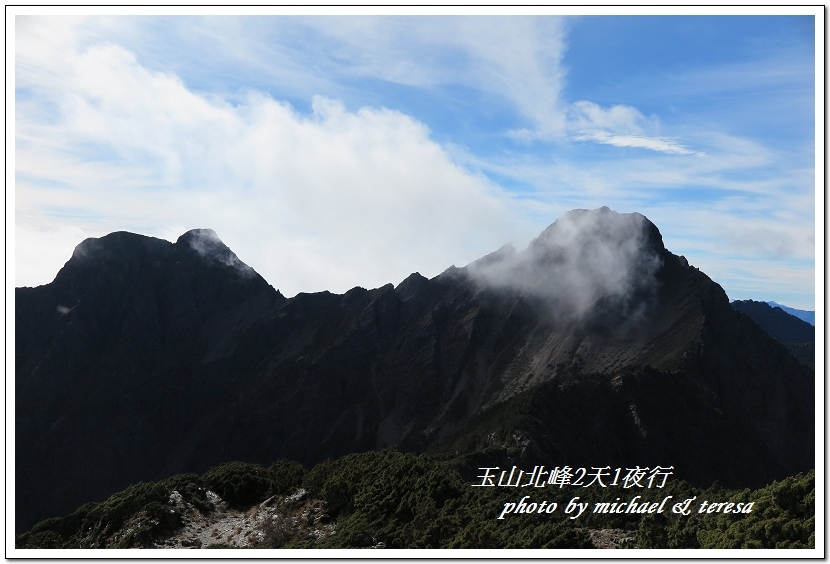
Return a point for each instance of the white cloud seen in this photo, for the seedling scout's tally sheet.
(620, 126)
(512, 61)
(620, 118)
(322, 201)
(659, 144)
(40, 251)
(517, 58)
(585, 260)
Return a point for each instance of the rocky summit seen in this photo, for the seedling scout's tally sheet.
(595, 346)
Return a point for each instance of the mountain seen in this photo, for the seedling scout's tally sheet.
(594, 346)
(803, 315)
(108, 361)
(797, 335)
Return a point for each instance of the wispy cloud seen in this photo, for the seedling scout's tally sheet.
(659, 144)
(514, 59)
(620, 126)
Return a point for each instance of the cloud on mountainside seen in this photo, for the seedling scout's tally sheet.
(586, 258)
(209, 246)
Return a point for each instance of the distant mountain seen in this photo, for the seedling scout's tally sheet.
(781, 325)
(595, 346)
(797, 335)
(803, 315)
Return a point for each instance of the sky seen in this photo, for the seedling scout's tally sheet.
(337, 151)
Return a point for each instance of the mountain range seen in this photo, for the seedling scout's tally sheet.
(802, 314)
(797, 335)
(595, 346)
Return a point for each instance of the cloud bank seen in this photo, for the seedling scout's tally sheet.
(329, 199)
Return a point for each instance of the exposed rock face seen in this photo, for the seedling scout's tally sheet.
(144, 359)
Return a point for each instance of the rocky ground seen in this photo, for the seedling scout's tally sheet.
(613, 538)
(270, 524)
(278, 520)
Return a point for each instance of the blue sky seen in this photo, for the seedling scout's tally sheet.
(331, 152)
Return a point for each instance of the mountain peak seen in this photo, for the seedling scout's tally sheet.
(207, 245)
(602, 226)
(200, 236)
(117, 244)
(584, 258)
(122, 248)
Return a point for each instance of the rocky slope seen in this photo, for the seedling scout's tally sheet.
(595, 345)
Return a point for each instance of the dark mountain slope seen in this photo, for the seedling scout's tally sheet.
(806, 316)
(695, 386)
(96, 406)
(797, 335)
(778, 323)
(617, 351)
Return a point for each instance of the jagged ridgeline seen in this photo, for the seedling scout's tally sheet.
(396, 500)
(595, 346)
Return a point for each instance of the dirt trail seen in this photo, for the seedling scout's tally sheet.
(267, 525)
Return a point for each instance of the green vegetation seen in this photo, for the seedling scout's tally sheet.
(413, 501)
(242, 484)
(93, 522)
(783, 516)
(397, 500)
(147, 507)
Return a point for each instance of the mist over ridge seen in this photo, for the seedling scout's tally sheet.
(585, 258)
(208, 245)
